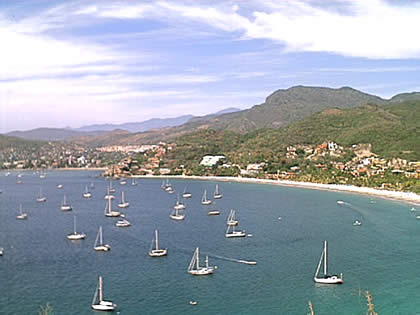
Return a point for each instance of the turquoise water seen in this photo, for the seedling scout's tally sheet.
(40, 265)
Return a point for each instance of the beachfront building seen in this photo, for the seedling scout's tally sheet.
(211, 160)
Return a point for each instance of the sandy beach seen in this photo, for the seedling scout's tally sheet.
(408, 197)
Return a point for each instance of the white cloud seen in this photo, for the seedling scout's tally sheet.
(359, 28)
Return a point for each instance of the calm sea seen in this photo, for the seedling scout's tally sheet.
(40, 265)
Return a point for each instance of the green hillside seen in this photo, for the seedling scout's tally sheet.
(393, 130)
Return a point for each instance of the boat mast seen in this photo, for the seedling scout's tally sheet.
(156, 240)
(207, 261)
(325, 258)
(100, 236)
(74, 224)
(197, 259)
(122, 197)
(100, 290)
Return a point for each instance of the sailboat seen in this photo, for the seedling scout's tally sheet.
(59, 186)
(111, 190)
(64, 205)
(179, 205)
(98, 302)
(42, 174)
(99, 243)
(123, 182)
(1, 251)
(231, 221)
(157, 252)
(204, 200)
(22, 215)
(217, 194)
(75, 236)
(175, 215)
(213, 211)
(186, 194)
(168, 187)
(195, 269)
(109, 212)
(41, 198)
(108, 194)
(326, 279)
(123, 203)
(231, 232)
(133, 182)
(122, 223)
(87, 193)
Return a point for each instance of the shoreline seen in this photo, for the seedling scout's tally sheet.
(408, 197)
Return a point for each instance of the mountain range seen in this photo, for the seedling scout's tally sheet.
(59, 134)
(281, 108)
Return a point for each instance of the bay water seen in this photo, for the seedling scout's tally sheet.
(287, 227)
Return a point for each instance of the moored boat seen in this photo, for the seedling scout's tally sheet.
(326, 278)
(98, 302)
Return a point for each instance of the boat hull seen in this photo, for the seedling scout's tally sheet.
(123, 205)
(102, 248)
(177, 217)
(202, 271)
(76, 237)
(104, 306)
(158, 252)
(112, 214)
(235, 234)
(329, 280)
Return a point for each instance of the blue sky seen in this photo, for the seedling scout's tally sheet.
(72, 63)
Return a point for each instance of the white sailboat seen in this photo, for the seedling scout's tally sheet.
(122, 223)
(179, 205)
(1, 251)
(75, 236)
(204, 200)
(99, 243)
(64, 205)
(42, 174)
(59, 186)
(157, 252)
(231, 221)
(168, 187)
(195, 269)
(22, 215)
(175, 215)
(217, 194)
(111, 190)
(109, 212)
(186, 194)
(326, 279)
(133, 182)
(214, 210)
(231, 232)
(123, 182)
(41, 198)
(87, 193)
(123, 203)
(98, 302)
(108, 194)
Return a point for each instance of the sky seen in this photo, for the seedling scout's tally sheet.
(74, 63)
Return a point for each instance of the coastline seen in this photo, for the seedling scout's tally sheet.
(408, 197)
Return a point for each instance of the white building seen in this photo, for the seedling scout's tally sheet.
(211, 160)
